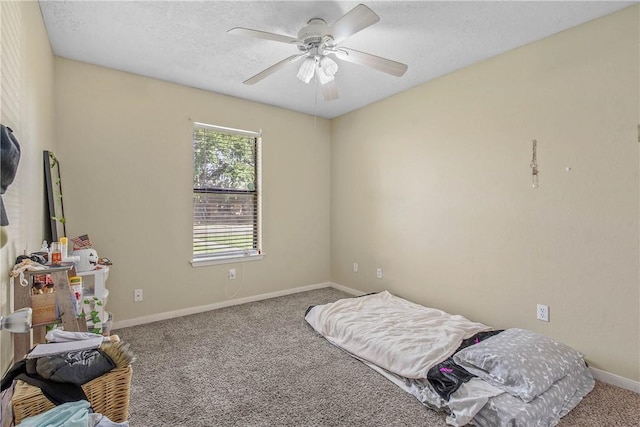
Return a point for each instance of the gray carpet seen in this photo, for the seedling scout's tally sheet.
(260, 364)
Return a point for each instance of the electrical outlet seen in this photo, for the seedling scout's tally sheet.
(232, 274)
(542, 312)
(355, 267)
(379, 273)
(137, 295)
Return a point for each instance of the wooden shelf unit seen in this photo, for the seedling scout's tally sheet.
(22, 343)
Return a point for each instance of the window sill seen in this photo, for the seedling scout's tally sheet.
(202, 262)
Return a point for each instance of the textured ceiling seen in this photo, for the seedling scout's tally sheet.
(186, 41)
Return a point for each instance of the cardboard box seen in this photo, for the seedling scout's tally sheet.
(44, 308)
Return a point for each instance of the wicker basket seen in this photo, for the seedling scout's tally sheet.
(108, 395)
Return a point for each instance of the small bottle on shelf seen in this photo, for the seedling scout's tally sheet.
(56, 254)
(63, 247)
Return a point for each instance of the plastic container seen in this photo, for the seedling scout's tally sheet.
(75, 283)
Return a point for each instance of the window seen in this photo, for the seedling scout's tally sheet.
(226, 194)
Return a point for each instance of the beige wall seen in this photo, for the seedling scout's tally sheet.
(434, 186)
(126, 162)
(26, 105)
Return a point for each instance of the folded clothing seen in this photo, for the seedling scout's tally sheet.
(61, 376)
(71, 414)
(57, 393)
(58, 335)
(78, 367)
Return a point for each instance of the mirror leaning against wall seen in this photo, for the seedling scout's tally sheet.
(54, 211)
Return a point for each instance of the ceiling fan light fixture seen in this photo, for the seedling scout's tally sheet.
(329, 66)
(316, 41)
(308, 67)
(323, 76)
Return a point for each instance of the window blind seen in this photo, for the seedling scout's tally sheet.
(225, 192)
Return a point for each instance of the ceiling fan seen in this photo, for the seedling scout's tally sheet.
(318, 43)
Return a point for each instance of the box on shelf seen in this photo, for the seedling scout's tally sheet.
(44, 308)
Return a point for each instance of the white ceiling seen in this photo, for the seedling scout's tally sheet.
(186, 41)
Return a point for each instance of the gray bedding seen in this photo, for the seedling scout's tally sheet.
(481, 404)
(545, 410)
(523, 379)
(520, 362)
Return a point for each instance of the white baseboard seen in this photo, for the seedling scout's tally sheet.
(202, 308)
(346, 289)
(598, 374)
(616, 380)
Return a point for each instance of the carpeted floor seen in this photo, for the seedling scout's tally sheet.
(261, 364)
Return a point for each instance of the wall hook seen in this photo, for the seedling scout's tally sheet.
(534, 164)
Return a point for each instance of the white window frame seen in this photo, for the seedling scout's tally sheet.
(249, 255)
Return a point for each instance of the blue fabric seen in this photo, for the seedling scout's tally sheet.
(71, 414)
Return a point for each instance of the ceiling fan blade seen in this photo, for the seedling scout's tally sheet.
(329, 90)
(381, 64)
(262, 34)
(275, 67)
(357, 19)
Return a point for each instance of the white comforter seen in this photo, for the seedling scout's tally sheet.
(395, 334)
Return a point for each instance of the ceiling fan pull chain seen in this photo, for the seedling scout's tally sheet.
(315, 91)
